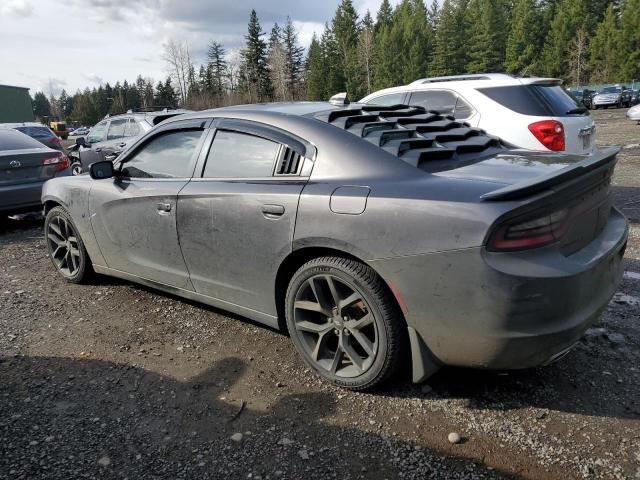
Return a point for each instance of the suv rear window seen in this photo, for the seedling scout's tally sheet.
(538, 100)
(36, 132)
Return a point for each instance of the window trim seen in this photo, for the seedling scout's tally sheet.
(172, 127)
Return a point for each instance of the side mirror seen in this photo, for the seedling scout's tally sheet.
(101, 170)
(81, 142)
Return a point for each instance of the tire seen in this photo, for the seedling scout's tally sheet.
(65, 247)
(367, 323)
(76, 168)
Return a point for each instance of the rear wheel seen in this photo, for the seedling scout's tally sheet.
(65, 247)
(345, 323)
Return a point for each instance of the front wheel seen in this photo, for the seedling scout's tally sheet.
(76, 168)
(345, 323)
(65, 247)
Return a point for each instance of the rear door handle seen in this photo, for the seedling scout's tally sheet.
(272, 211)
(163, 208)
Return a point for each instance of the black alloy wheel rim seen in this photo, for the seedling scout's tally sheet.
(335, 326)
(63, 246)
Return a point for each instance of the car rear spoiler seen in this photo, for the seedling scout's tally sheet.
(570, 172)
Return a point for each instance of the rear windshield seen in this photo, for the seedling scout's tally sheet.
(61, 126)
(537, 100)
(36, 132)
(12, 140)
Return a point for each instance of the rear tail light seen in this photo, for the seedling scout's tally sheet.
(531, 233)
(549, 133)
(60, 161)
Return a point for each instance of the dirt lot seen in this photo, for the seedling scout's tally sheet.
(112, 380)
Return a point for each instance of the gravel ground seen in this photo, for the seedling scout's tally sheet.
(112, 380)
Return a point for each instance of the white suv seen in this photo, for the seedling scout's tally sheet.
(530, 113)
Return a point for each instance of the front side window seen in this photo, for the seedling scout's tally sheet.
(116, 129)
(387, 100)
(168, 155)
(240, 155)
(97, 133)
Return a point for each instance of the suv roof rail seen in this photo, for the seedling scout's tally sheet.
(459, 78)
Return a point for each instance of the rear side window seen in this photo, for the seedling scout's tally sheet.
(537, 100)
(36, 132)
(240, 155)
(133, 129)
(116, 129)
(442, 101)
(387, 100)
(168, 155)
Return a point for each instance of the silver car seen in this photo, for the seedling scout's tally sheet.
(384, 239)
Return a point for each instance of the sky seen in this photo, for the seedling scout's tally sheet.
(50, 45)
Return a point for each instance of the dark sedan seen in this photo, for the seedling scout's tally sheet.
(40, 132)
(25, 164)
(374, 235)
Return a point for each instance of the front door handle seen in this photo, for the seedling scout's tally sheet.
(163, 208)
(272, 211)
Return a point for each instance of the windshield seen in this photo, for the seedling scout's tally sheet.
(611, 90)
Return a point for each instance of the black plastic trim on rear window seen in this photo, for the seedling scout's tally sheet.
(536, 100)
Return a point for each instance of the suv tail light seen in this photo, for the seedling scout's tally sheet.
(60, 160)
(549, 133)
(531, 233)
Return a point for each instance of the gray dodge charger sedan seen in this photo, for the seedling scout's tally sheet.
(384, 239)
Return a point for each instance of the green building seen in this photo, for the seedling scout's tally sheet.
(15, 104)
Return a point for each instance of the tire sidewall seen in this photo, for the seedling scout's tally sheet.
(346, 275)
(79, 274)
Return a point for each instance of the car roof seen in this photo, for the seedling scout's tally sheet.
(22, 124)
(460, 82)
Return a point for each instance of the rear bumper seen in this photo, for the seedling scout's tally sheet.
(20, 198)
(512, 310)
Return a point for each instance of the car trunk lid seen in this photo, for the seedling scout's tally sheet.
(29, 165)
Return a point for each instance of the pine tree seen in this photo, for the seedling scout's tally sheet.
(524, 41)
(255, 78)
(294, 54)
(41, 106)
(630, 41)
(315, 71)
(384, 16)
(449, 55)
(603, 50)
(487, 36)
(569, 17)
(332, 66)
(216, 69)
(366, 54)
(345, 33)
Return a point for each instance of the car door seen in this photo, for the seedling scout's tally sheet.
(133, 215)
(115, 141)
(236, 221)
(93, 152)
